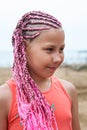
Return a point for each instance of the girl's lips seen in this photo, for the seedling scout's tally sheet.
(53, 68)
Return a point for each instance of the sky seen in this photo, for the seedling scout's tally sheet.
(71, 13)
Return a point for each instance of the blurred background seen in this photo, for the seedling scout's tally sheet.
(72, 15)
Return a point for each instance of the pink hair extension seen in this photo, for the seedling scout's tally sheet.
(34, 111)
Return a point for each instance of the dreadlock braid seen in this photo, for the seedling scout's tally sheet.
(34, 111)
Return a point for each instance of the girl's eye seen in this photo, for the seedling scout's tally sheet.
(61, 50)
(50, 49)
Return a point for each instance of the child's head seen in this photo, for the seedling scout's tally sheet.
(32, 29)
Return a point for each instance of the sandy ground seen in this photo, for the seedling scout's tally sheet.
(77, 77)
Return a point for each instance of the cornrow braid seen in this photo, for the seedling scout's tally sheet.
(34, 111)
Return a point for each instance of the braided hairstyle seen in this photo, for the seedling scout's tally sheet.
(34, 111)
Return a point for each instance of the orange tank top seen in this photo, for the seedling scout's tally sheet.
(57, 97)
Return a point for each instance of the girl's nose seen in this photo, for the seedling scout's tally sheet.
(57, 58)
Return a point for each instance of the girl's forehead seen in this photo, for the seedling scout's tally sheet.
(51, 34)
(47, 37)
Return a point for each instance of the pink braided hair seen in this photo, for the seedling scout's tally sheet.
(34, 111)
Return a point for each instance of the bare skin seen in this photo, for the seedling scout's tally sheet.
(5, 102)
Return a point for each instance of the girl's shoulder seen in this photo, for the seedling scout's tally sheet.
(5, 100)
(70, 88)
(5, 97)
(72, 91)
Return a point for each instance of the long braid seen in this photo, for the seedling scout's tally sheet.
(34, 111)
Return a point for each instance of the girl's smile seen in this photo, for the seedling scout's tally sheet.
(52, 68)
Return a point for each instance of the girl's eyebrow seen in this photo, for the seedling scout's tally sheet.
(53, 45)
(63, 44)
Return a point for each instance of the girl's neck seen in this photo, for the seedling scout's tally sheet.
(43, 84)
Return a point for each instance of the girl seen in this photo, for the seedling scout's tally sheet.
(34, 99)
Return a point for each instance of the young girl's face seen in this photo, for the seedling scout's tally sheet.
(45, 53)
